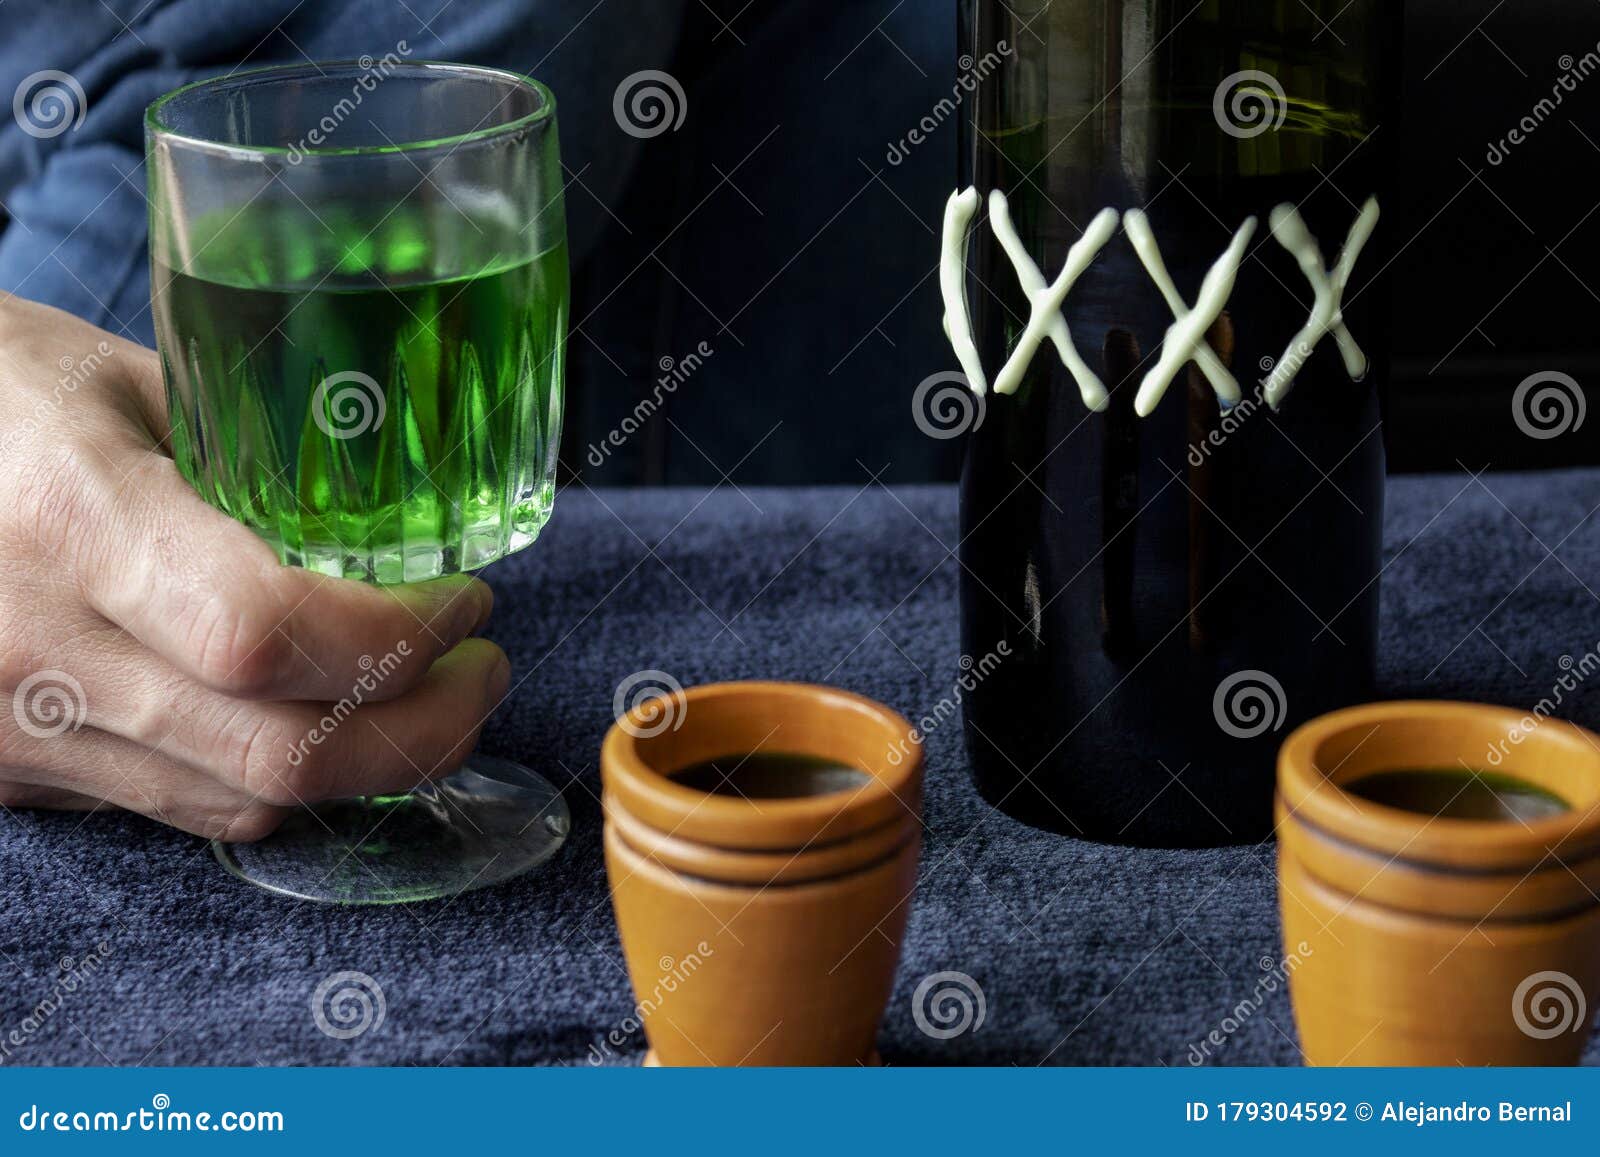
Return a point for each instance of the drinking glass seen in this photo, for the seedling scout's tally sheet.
(359, 282)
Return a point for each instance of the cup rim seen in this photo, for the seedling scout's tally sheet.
(803, 822)
(158, 129)
(1308, 791)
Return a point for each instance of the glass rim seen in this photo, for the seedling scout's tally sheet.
(156, 127)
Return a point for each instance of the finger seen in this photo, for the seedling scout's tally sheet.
(394, 746)
(212, 599)
(91, 765)
(295, 752)
(18, 796)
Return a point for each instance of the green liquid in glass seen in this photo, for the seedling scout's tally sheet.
(365, 419)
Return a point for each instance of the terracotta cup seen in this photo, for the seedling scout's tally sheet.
(761, 931)
(1417, 940)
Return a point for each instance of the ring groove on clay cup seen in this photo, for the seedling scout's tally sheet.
(723, 719)
(1411, 938)
(792, 907)
(774, 869)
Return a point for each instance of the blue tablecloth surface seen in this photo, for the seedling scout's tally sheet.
(1086, 954)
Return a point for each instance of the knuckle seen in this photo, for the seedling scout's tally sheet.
(261, 761)
(54, 494)
(239, 648)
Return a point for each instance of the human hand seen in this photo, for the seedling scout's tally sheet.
(158, 656)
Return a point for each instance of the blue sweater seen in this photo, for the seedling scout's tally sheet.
(72, 198)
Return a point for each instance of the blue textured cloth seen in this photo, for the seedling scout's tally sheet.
(1086, 954)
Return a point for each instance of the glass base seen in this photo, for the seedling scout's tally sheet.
(488, 822)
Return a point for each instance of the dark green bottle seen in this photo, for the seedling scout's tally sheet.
(1180, 589)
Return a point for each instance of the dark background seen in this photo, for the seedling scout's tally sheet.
(772, 226)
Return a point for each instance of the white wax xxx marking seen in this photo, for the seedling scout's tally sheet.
(1047, 301)
(1137, 227)
(1328, 290)
(1032, 281)
(958, 214)
(1186, 335)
